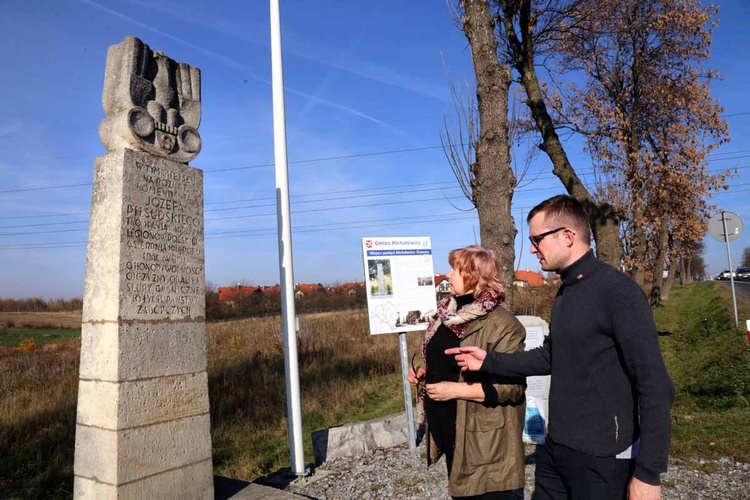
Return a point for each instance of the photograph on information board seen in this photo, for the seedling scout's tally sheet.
(399, 281)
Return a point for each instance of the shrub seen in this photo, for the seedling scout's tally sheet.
(27, 345)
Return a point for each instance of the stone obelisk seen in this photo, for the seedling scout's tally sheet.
(142, 428)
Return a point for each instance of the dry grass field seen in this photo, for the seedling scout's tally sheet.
(64, 319)
(345, 375)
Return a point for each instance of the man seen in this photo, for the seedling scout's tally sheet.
(610, 394)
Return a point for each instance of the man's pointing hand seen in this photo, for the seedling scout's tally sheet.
(468, 358)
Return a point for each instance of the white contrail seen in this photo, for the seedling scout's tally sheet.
(240, 66)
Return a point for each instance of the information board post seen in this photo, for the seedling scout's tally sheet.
(410, 431)
(400, 286)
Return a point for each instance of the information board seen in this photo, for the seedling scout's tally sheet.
(400, 283)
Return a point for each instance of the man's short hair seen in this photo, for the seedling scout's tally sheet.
(563, 210)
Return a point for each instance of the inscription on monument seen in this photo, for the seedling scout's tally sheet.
(163, 241)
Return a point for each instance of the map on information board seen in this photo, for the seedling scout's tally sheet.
(400, 283)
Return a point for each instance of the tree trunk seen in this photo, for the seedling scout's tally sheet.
(669, 281)
(688, 277)
(661, 257)
(638, 247)
(605, 225)
(639, 243)
(494, 180)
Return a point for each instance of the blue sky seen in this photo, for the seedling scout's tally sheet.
(365, 93)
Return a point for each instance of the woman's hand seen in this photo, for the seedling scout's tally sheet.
(445, 391)
(414, 377)
(442, 391)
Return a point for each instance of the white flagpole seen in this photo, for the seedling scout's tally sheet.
(291, 364)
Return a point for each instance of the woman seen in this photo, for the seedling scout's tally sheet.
(474, 419)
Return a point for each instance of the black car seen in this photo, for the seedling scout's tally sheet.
(743, 274)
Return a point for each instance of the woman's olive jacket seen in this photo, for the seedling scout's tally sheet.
(489, 453)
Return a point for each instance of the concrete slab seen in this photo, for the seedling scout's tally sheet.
(235, 489)
(359, 438)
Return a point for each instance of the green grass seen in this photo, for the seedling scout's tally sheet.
(12, 337)
(244, 449)
(709, 361)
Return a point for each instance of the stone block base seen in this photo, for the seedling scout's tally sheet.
(191, 481)
(118, 457)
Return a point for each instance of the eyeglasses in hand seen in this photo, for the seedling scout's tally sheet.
(420, 384)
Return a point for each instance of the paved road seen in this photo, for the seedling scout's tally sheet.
(741, 289)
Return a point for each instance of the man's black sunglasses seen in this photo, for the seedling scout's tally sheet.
(535, 240)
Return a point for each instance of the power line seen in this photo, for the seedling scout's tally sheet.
(260, 165)
(44, 187)
(313, 210)
(400, 186)
(46, 224)
(542, 177)
(270, 231)
(403, 186)
(336, 198)
(41, 216)
(312, 160)
(328, 158)
(338, 224)
(354, 226)
(45, 232)
(269, 214)
(307, 229)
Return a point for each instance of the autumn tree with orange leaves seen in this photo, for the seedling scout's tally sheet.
(649, 120)
(628, 76)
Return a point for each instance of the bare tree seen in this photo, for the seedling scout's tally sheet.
(745, 257)
(489, 180)
(524, 28)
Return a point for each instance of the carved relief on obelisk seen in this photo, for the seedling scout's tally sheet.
(153, 104)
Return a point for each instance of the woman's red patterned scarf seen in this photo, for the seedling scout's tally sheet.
(457, 320)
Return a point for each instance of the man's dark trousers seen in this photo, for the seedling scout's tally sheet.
(564, 473)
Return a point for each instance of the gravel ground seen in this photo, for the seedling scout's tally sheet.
(401, 473)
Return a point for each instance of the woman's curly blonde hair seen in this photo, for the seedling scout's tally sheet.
(479, 269)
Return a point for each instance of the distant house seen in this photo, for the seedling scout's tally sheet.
(529, 278)
(272, 291)
(307, 290)
(350, 289)
(233, 294)
(442, 285)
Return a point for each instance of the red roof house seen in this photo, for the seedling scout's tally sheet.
(307, 290)
(529, 278)
(350, 289)
(239, 292)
